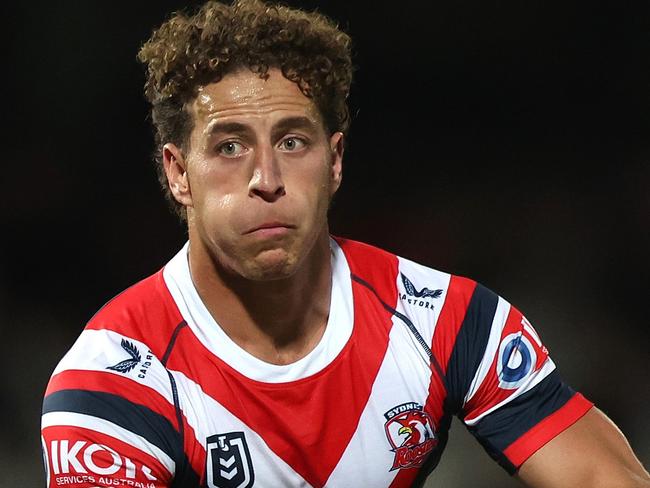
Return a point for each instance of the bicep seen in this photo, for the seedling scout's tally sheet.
(591, 452)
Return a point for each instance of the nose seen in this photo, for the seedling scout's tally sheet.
(266, 179)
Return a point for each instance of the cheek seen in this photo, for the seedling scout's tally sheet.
(213, 193)
(221, 203)
(319, 179)
(213, 208)
(219, 210)
(313, 192)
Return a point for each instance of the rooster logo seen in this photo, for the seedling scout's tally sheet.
(423, 293)
(411, 435)
(413, 428)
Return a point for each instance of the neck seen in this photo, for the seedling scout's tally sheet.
(278, 321)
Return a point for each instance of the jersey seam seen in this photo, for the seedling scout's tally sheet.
(172, 381)
(409, 325)
(172, 342)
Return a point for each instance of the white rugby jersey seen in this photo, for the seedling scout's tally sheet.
(155, 394)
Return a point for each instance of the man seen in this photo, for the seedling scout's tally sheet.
(267, 353)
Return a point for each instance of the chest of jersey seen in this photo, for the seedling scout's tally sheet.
(362, 420)
(154, 389)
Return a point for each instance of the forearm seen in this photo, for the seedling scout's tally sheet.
(619, 480)
(592, 453)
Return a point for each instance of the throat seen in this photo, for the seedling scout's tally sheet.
(285, 327)
(278, 322)
(289, 349)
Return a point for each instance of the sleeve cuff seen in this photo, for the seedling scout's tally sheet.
(547, 429)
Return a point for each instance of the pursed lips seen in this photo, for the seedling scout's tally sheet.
(270, 228)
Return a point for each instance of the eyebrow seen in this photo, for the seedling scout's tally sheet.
(284, 125)
(227, 128)
(297, 122)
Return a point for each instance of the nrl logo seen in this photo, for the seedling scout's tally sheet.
(411, 435)
(228, 461)
(128, 364)
(419, 296)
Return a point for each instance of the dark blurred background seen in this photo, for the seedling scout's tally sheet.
(507, 141)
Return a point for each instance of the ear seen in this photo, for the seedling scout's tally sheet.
(176, 172)
(336, 146)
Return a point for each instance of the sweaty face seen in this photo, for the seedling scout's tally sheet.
(259, 175)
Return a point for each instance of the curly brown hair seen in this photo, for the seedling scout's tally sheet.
(189, 51)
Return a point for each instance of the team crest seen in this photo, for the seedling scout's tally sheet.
(411, 435)
(228, 461)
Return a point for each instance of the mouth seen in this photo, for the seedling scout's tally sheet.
(270, 229)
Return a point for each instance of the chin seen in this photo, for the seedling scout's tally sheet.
(272, 265)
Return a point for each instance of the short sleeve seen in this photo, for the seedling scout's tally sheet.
(505, 386)
(109, 417)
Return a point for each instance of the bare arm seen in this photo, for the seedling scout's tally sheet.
(591, 453)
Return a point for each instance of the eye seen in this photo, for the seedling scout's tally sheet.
(231, 149)
(292, 144)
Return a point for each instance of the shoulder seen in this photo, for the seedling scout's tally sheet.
(124, 341)
(122, 348)
(414, 282)
(112, 387)
(365, 259)
(111, 394)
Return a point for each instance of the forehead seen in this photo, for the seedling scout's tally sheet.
(244, 95)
